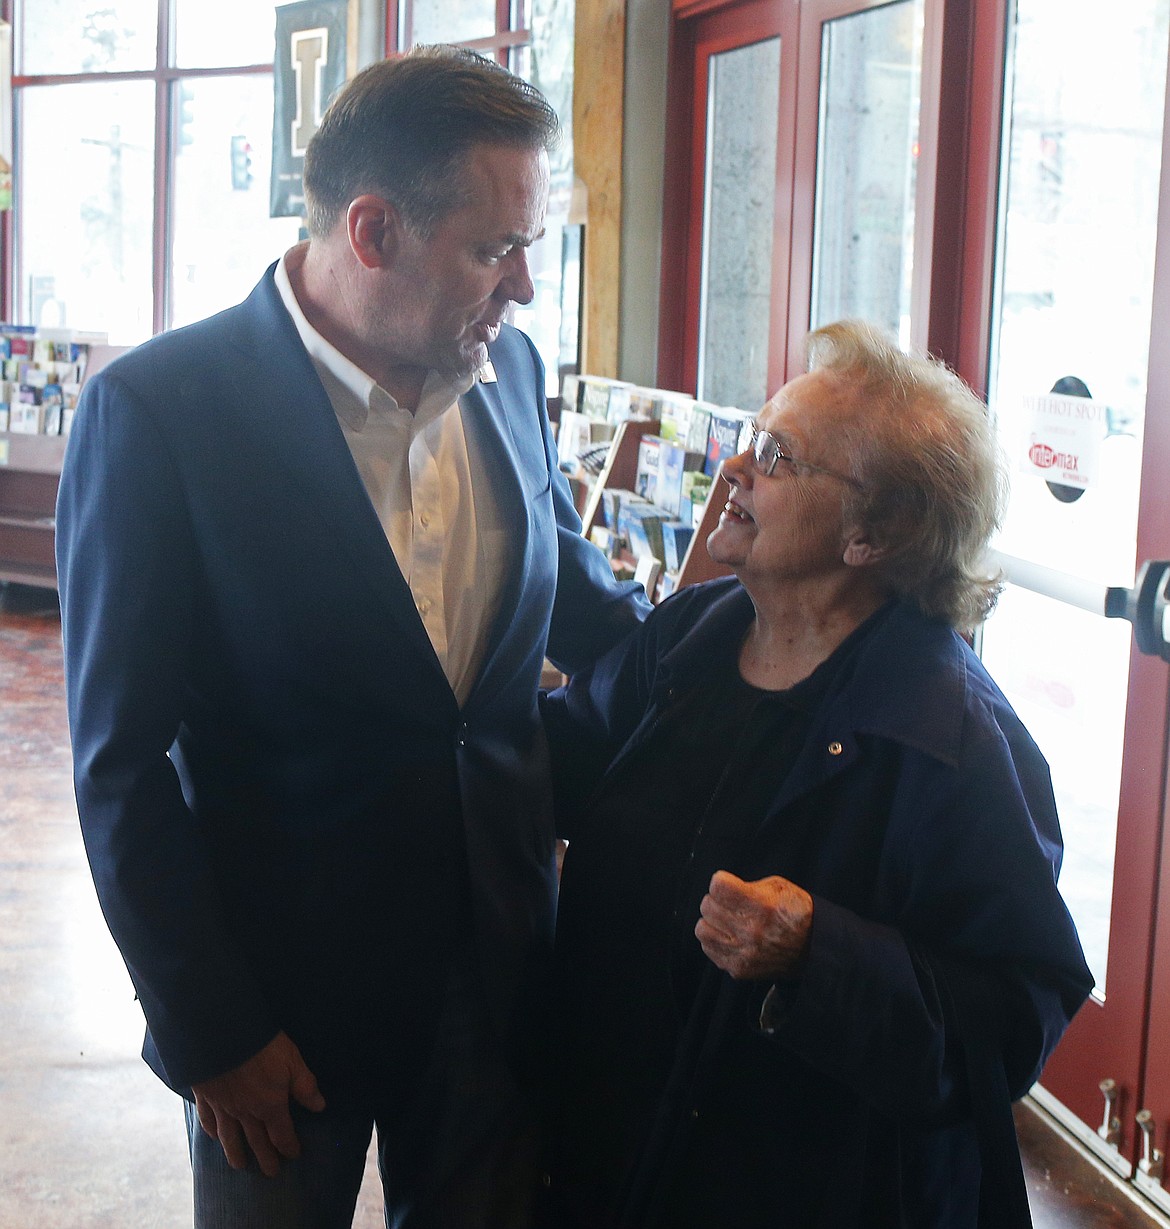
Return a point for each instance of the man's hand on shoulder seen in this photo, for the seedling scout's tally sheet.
(247, 1109)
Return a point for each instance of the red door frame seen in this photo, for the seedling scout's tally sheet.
(700, 30)
(974, 58)
(1148, 695)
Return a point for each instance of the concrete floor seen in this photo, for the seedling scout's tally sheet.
(89, 1139)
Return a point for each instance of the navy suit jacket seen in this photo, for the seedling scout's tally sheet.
(290, 821)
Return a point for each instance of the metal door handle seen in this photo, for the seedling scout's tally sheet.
(1152, 1159)
(1110, 1129)
(1146, 606)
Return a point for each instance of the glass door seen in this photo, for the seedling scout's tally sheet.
(867, 161)
(802, 188)
(728, 202)
(739, 220)
(1081, 403)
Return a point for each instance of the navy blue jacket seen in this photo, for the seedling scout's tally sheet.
(920, 816)
(289, 819)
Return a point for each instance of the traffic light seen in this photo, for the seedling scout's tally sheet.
(186, 113)
(241, 164)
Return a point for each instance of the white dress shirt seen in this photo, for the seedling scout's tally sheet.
(425, 476)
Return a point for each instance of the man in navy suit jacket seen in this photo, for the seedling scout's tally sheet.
(313, 552)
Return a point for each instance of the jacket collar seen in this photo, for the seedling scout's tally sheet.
(909, 681)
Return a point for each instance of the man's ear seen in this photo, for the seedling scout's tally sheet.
(861, 550)
(374, 229)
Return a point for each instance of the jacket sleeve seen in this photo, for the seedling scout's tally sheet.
(129, 579)
(977, 949)
(592, 609)
(595, 715)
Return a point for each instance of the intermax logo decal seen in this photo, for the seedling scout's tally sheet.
(1045, 457)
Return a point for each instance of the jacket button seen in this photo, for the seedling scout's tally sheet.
(835, 748)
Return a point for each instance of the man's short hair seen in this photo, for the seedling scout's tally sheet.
(402, 128)
(932, 478)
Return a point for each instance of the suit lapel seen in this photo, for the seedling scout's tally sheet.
(304, 439)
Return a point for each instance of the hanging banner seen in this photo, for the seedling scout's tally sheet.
(311, 63)
(1062, 439)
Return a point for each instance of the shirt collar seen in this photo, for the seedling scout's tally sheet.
(353, 393)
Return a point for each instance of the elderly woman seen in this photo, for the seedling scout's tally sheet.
(810, 941)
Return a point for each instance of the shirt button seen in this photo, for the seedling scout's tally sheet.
(424, 520)
(835, 748)
(423, 605)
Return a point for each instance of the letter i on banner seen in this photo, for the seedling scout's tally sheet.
(310, 64)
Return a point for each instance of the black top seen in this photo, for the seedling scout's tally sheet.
(680, 808)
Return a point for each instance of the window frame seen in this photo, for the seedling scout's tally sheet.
(167, 79)
(513, 30)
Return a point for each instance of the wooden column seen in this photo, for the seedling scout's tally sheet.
(598, 96)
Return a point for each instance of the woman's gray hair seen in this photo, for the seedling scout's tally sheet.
(933, 483)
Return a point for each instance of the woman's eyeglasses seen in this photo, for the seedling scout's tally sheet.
(767, 454)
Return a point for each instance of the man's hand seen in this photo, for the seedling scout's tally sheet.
(755, 931)
(248, 1108)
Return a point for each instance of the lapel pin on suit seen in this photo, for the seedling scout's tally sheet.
(487, 373)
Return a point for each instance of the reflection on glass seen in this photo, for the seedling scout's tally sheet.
(86, 36)
(223, 236)
(1077, 717)
(451, 21)
(743, 99)
(1075, 278)
(863, 254)
(88, 181)
(547, 61)
(201, 41)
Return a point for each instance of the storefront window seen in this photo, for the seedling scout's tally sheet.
(86, 36)
(451, 21)
(222, 234)
(220, 33)
(87, 260)
(95, 248)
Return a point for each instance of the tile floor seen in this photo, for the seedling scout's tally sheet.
(88, 1137)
